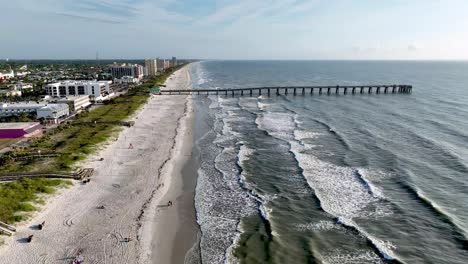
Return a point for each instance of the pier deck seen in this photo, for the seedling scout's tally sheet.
(298, 90)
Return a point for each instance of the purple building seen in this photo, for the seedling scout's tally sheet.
(20, 130)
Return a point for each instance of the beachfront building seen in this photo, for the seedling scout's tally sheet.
(75, 103)
(127, 80)
(99, 90)
(151, 67)
(160, 64)
(174, 62)
(47, 111)
(53, 112)
(118, 71)
(20, 130)
(18, 109)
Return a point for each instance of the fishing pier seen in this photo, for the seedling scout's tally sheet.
(297, 90)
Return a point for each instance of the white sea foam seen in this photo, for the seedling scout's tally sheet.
(351, 258)
(214, 103)
(220, 201)
(262, 106)
(374, 190)
(304, 134)
(384, 247)
(277, 124)
(340, 192)
(248, 103)
(297, 121)
(262, 211)
(318, 226)
(200, 73)
(245, 153)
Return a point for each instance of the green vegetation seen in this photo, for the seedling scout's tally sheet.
(19, 197)
(74, 142)
(5, 142)
(23, 117)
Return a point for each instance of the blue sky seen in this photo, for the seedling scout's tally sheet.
(242, 29)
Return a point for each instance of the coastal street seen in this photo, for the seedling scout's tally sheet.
(102, 219)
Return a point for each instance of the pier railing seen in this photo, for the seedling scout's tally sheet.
(298, 90)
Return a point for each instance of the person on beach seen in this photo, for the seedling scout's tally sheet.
(130, 146)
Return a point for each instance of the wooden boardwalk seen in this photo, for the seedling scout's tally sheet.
(297, 90)
(77, 175)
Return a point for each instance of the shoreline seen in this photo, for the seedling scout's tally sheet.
(96, 218)
(169, 233)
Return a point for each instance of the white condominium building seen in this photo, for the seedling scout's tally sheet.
(97, 89)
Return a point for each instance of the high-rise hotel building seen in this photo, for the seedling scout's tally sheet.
(151, 67)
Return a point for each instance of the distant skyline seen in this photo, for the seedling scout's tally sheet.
(243, 29)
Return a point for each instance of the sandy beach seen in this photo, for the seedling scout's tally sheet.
(126, 198)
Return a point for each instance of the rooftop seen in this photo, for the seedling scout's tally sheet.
(77, 82)
(32, 106)
(18, 125)
(53, 107)
(72, 98)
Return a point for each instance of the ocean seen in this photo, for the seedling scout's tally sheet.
(379, 178)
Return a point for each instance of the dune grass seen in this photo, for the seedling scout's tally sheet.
(17, 198)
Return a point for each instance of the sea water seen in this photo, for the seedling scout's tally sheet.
(333, 178)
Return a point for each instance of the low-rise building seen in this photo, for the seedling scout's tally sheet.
(17, 109)
(127, 80)
(22, 73)
(53, 112)
(20, 130)
(7, 75)
(48, 111)
(99, 90)
(75, 103)
(22, 86)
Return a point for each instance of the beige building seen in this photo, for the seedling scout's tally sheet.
(76, 103)
(151, 67)
(160, 64)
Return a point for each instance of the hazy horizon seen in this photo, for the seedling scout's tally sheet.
(239, 30)
(3, 60)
